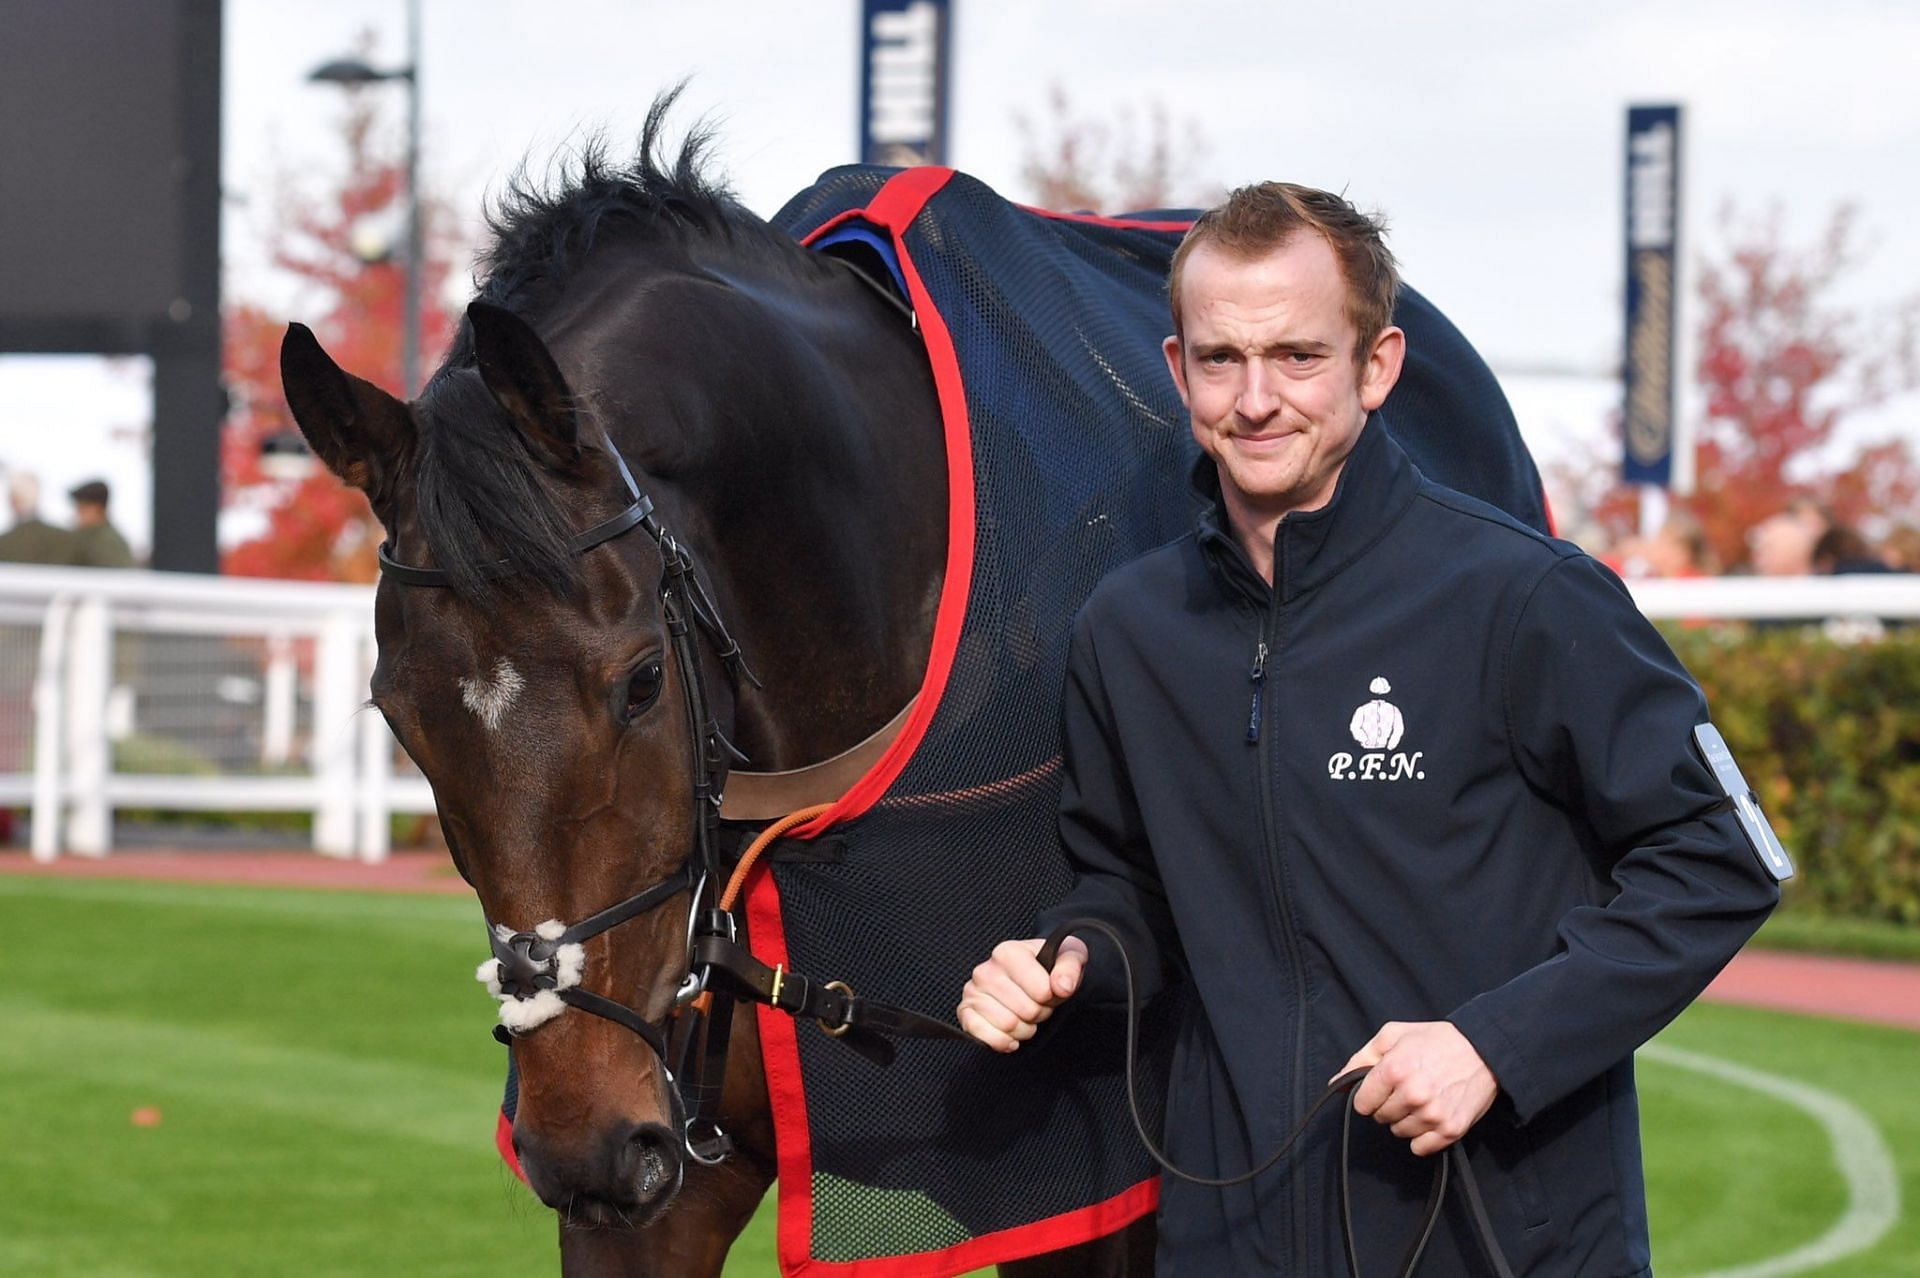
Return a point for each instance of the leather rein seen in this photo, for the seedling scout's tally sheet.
(538, 974)
(1452, 1166)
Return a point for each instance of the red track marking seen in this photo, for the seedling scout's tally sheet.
(401, 872)
(1849, 989)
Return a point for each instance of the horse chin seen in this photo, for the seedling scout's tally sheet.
(599, 1215)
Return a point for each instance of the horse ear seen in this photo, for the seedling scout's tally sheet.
(353, 426)
(523, 379)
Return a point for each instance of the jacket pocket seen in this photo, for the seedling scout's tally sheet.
(1510, 1157)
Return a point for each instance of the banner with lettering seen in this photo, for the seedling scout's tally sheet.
(1653, 250)
(904, 81)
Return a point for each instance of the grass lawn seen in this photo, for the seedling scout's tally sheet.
(326, 1086)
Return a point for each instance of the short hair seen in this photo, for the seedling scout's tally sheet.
(1255, 220)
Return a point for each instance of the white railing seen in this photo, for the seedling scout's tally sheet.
(1864, 595)
(134, 690)
(190, 693)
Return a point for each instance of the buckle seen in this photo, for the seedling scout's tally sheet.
(835, 1031)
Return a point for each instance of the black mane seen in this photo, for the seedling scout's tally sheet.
(541, 231)
(482, 496)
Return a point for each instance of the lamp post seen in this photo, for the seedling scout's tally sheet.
(352, 73)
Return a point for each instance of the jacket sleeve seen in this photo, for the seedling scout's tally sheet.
(1114, 876)
(1600, 716)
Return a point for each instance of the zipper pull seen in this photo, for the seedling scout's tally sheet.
(1259, 677)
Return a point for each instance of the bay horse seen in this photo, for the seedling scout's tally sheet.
(642, 354)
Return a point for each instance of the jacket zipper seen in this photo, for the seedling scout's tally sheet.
(1270, 828)
(1259, 676)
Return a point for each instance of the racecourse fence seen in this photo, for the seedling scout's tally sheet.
(129, 690)
(133, 690)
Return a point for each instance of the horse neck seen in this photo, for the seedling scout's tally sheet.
(815, 497)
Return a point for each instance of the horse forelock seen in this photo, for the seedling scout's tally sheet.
(482, 500)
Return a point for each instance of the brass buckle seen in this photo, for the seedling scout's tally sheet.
(835, 1031)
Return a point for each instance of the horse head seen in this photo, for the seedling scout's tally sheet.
(539, 692)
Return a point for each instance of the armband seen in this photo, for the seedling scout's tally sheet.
(1746, 806)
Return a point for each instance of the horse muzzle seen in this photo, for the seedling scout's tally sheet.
(624, 1179)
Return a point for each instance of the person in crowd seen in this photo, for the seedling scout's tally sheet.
(1679, 549)
(31, 539)
(1489, 883)
(1782, 545)
(1841, 550)
(97, 543)
(1900, 549)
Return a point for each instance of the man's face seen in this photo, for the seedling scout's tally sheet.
(1782, 546)
(1266, 368)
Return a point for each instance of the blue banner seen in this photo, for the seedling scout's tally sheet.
(904, 81)
(1653, 254)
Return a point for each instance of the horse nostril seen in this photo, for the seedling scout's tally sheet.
(650, 1162)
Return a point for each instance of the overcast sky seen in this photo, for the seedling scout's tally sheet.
(1489, 133)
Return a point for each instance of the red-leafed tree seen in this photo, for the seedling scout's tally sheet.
(315, 527)
(1072, 162)
(1782, 364)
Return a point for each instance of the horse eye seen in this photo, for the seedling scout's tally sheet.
(643, 687)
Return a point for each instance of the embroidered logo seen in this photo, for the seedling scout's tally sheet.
(1378, 727)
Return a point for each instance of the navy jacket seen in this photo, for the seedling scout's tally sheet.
(1441, 769)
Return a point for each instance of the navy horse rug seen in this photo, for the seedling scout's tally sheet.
(1068, 453)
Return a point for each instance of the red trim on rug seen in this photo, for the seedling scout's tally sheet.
(503, 1141)
(837, 220)
(893, 209)
(780, 1063)
(1118, 223)
(1051, 1234)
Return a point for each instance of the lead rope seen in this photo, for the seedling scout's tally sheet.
(748, 859)
(1455, 1159)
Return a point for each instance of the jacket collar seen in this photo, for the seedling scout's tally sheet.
(1375, 488)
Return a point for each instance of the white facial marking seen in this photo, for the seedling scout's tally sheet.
(490, 697)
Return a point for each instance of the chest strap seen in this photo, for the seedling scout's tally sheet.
(765, 796)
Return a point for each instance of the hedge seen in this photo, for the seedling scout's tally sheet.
(1828, 735)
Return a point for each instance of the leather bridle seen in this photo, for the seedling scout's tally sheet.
(537, 974)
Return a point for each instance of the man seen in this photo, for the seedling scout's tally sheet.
(32, 540)
(1394, 781)
(97, 543)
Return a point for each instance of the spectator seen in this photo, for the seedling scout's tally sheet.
(1782, 545)
(1679, 549)
(1842, 550)
(32, 540)
(97, 543)
(1901, 548)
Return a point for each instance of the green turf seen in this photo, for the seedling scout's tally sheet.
(327, 1087)
(1858, 938)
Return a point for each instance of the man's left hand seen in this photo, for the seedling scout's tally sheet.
(1428, 1083)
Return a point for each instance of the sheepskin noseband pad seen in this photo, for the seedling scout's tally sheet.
(527, 972)
(536, 975)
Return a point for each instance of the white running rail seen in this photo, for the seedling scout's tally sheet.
(140, 690)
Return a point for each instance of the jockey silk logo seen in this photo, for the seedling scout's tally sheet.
(1377, 726)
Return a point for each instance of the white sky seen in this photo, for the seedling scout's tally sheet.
(1489, 133)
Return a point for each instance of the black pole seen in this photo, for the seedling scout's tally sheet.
(189, 403)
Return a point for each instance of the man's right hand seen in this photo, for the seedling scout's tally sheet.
(1010, 994)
